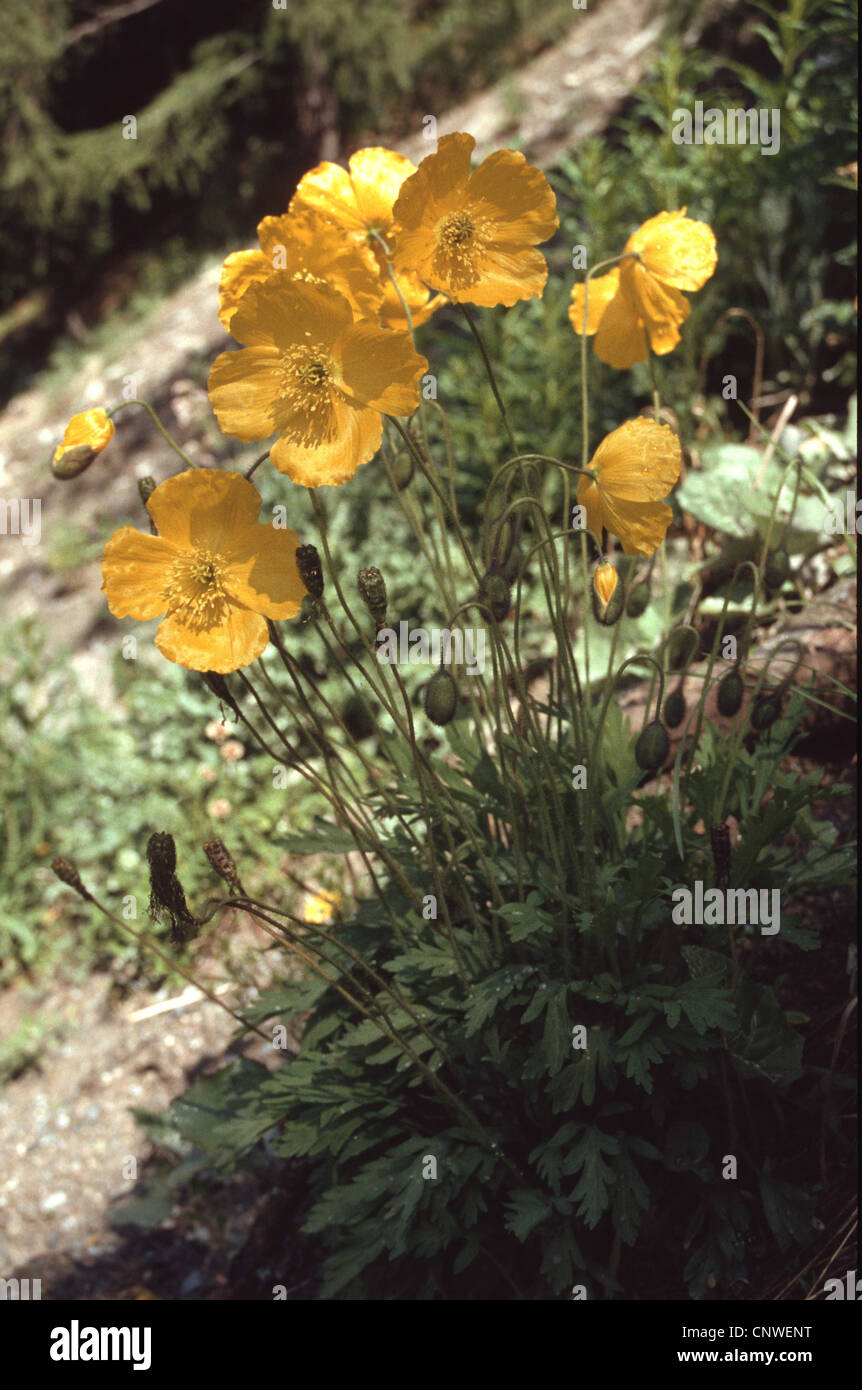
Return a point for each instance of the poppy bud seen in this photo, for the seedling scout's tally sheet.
(512, 567)
(730, 693)
(652, 746)
(495, 594)
(146, 488)
(310, 569)
(222, 861)
(68, 874)
(372, 591)
(85, 437)
(402, 470)
(638, 600)
(681, 647)
(607, 594)
(765, 712)
(441, 697)
(776, 570)
(674, 709)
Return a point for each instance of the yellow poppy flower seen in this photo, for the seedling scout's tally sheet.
(359, 203)
(303, 247)
(634, 466)
(85, 437)
(321, 908)
(314, 376)
(213, 570)
(473, 235)
(638, 304)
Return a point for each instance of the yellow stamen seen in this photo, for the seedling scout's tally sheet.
(196, 589)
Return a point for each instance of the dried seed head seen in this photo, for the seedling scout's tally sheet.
(67, 873)
(310, 569)
(222, 861)
(146, 488)
(166, 892)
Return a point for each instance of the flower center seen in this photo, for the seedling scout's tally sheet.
(195, 589)
(309, 382)
(455, 230)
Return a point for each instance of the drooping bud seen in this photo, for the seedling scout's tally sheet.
(441, 697)
(730, 692)
(166, 892)
(674, 708)
(681, 646)
(146, 488)
(310, 569)
(776, 570)
(638, 599)
(218, 685)
(372, 591)
(496, 595)
(85, 437)
(765, 712)
(512, 567)
(652, 746)
(607, 594)
(402, 470)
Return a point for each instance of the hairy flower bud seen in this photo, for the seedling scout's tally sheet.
(765, 712)
(441, 697)
(67, 873)
(310, 569)
(607, 594)
(372, 591)
(146, 488)
(730, 692)
(638, 599)
(495, 594)
(85, 437)
(652, 746)
(222, 861)
(674, 708)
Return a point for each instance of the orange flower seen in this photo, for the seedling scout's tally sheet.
(638, 305)
(359, 204)
(473, 236)
(213, 570)
(634, 466)
(86, 436)
(304, 247)
(313, 376)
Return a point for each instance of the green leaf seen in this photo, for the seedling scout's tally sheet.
(526, 1208)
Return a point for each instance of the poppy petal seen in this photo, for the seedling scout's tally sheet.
(381, 369)
(602, 289)
(236, 642)
(204, 507)
(134, 573)
(356, 440)
(244, 389)
(638, 462)
(262, 573)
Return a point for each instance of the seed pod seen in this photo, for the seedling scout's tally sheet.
(765, 712)
(441, 697)
(607, 594)
(674, 709)
(310, 569)
(638, 599)
(730, 692)
(223, 862)
(146, 488)
(776, 570)
(652, 746)
(372, 591)
(495, 594)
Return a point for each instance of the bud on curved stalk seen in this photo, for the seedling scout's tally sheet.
(681, 646)
(674, 708)
(441, 697)
(86, 435)
(310, 570)
(403, 468)
(608, 595)
(638, 599)
(372, 591)
(496, 595)
(652, 746)
(765, 712)
(730, 692)
(776, 570)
